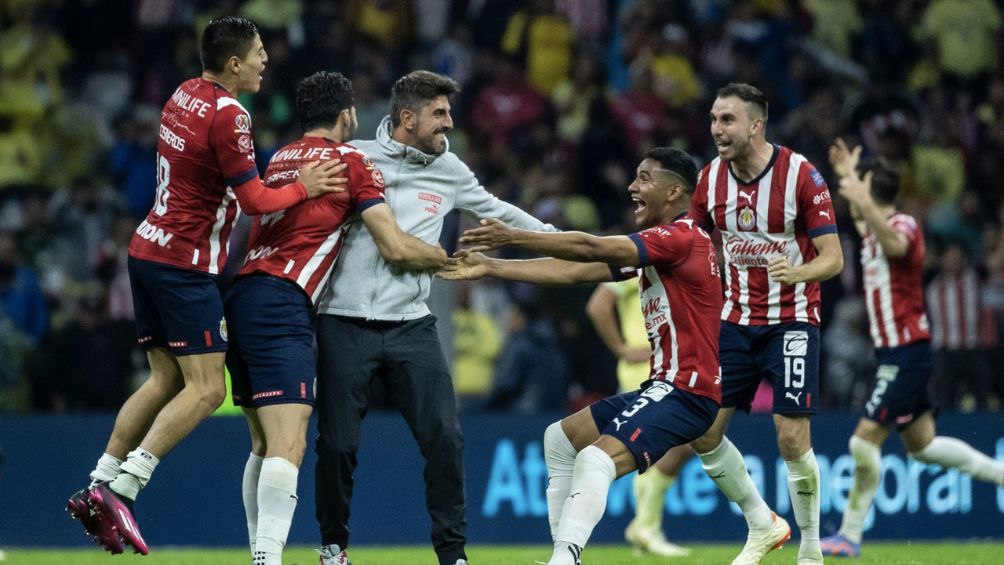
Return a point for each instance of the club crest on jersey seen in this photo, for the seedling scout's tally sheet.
(368, 163)
(223, 329)
(746, 219)
(244, 143)
(377, 177)
(243, 123)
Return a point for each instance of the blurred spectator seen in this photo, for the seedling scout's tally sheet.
(507, 105)
(531, 373)
(133, 159)
(849, 362)
(572, 97)
(476, 344)
(24, 319)
(961, 378)
(542, 40)
(967, 35)
(86, 364)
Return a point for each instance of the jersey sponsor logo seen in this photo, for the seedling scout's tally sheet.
(653, 306)
(150, 232)
(305, 153)
(752, 254)
(244, 143)
(816, 177)
(272, 218)
(368, 163)
(171, 138)
(260, 252)
(823, 196)
(796, 344)
(177, 344)
(430, 197)
(243, 123)
(266, 394)
(189, 103)
(746, 219)
(274, 178)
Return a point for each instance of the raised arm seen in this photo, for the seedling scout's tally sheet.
(858, 191)
(398, 247)
(472, 266)
(571, 246)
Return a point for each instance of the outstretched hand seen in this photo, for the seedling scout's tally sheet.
(491, 235)
(845, 161)
(321, 178)
(856, 190)
(465, 265)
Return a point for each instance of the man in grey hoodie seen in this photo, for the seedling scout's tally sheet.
(373, 319)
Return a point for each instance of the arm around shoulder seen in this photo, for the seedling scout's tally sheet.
(398, 247)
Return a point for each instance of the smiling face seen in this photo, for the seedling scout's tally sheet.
(250, 68)
(733, 128)
(431, 124)
(652, 192)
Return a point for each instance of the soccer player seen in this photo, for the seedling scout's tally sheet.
(681, 297)
(291, 254)
(205, 168)
(613, 309)
(382, 312)
(892, 258)
(779, 240)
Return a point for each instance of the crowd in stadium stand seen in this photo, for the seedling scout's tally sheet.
(560, 98)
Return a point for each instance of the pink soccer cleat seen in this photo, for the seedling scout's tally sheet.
(101, 531)
(111, 509)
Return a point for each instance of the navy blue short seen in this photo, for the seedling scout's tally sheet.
(899, 393)
(787, 354)
(654, 419)
(176, 308)
(271, 356)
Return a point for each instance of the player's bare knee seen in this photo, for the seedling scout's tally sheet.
(709, 441)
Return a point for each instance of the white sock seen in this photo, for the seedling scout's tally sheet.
(276, 503)
(867, 475)
(559, 454)
(594, 471)
(725, 465)
(249, 492)
(650, 493)
(135, 473)
(106, 469)
(803, 487)
(951, 452)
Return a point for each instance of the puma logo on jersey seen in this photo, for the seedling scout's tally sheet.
(272, 218)
(824, 214)
(794, 397)
(747, 195)
(260, 252)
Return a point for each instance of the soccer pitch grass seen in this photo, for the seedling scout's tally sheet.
(948, 552)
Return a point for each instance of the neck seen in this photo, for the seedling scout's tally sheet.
(672, 213)
(751, 164)
(887, 210)
(333, 133)
(401, 135)
(229, 83)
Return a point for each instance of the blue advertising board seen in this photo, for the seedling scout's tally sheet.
(195, 499)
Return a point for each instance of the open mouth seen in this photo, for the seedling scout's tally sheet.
(639, 205)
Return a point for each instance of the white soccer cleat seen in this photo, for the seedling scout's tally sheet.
(650, 540)
(762, 542)
(333, 555)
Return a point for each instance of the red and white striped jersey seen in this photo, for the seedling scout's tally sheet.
(301, 243)
(776, 214)
(894, 287)
(204, 149)
(954, 301)
(681, 299)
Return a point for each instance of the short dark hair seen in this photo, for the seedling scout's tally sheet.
(677, 162)
(225, 37)
(321, 97)
(415, 89)
(885, 181)
(748, 94)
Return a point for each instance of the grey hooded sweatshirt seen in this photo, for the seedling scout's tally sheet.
(420, 189)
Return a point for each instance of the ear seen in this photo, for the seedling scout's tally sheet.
(233, 64)
(409, 119)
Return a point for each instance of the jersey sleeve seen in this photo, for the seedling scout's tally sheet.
(699, 203)
(908, 227)
(662, 245)
(230, 138)
(366, 182)
(814, 202)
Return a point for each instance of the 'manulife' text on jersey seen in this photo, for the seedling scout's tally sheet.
(301, 243)
(681, 299)
(204, 149)
(894, 288)
(775, 215)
